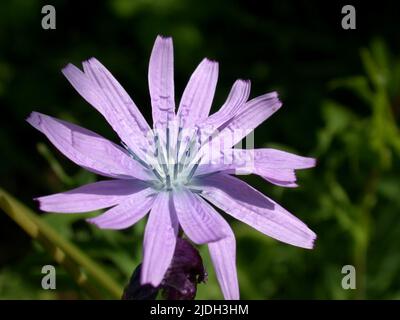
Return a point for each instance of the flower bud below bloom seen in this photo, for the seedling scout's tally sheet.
(180, 281)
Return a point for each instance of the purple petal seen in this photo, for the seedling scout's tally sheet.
(235, 128)
(197, 98)
(250, 116)
(237, 97)
(250, 206)
(90, 91)
(198, 219)
(159, 240)
(270, 158)
(161, 81)
(115, 93)
(93, 196)
(127, 212)
(277, 167)
(280, 177)
(101, 89)
(223, 256)
(88, 149)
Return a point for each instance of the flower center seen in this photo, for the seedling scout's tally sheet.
(173, 159)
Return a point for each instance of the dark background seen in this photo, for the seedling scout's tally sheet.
(341, 95)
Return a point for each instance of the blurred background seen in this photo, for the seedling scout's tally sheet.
(341, 95)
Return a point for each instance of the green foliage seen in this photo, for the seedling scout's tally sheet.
(360, 153)
(82, 269)
(341, 94)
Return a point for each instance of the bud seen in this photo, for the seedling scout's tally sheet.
(184, 273)
(135, 291)
(180, 281)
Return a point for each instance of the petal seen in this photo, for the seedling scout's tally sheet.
(280, 177)
(126, 213)
(250, 206)
(197, 98)
(98, 87)
(223, 256)
(269, 158)
(88, 149)
(115, 93)
(86, 88)
(92, 196)
(250, 116)
(198, 219)
(126, 118)
(277, 167)
(161, 81)
(159, 240)
(237, 97)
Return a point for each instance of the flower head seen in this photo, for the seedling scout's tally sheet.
(179, 169)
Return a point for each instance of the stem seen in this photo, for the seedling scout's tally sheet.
(362, 240)
(74, 260)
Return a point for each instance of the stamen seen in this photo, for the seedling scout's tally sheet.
(171, 175)
(168, 143)
(135, 156)
(157, 144)
(160, 153)
(159, 177)
(188, 151)
(196, 190)
(178, 147)
(168, 182)
(175, 171)
(143, 163)
(193, 170)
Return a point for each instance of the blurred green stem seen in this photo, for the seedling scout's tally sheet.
(54, 164)
(362, 240)
(79, 265)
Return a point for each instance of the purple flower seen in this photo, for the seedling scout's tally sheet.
(178, 169)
